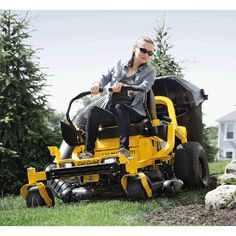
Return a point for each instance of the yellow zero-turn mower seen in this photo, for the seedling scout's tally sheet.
(162, 161)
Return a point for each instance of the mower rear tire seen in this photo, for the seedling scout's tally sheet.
(191, 165)
(34, 198)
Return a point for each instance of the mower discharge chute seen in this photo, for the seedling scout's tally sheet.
(162, 159)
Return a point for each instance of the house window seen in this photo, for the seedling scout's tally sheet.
(229, 132)
(228, 155)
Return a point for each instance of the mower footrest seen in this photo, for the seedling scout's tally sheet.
(83, 170)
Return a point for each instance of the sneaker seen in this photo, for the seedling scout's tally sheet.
(86, 155)
(124, 152)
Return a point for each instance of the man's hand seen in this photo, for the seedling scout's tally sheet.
(95, 88)
(116, 88)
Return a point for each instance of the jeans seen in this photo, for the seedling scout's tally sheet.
(122, 115)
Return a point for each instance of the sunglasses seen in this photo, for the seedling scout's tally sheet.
(145, 51)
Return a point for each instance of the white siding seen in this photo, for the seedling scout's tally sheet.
(227, 143)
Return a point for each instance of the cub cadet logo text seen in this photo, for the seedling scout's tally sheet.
(86, 162)
(132, 152)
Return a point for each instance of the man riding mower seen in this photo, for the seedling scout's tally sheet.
(161, 160)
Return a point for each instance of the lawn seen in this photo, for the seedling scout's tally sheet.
(114, 212)
(217, 167)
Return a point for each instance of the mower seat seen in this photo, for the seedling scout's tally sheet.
(151, 105)
(140, 128)
(112, 131)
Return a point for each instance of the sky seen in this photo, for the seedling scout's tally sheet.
(78, 46)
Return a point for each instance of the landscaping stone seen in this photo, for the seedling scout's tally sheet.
(231, 168)
(226, 179)
(223, 196)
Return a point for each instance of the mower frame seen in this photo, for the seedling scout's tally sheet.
(148, 153)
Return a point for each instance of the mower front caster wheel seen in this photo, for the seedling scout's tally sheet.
(34, 198)
(135, 190)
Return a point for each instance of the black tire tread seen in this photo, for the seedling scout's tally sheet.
(186, 164)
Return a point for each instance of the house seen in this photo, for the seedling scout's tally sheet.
(227, 136)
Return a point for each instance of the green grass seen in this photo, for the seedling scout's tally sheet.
(13, 211)
(217, 167)
(105, 212)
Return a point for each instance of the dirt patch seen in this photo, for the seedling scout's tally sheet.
(195, 214)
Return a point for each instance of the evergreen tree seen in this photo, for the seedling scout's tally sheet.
(162, 60)
(210, 136)
(25, 118)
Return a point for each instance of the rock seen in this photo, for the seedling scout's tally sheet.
(231, 168)
(217, 180)
(226, 179)
(223, 196)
